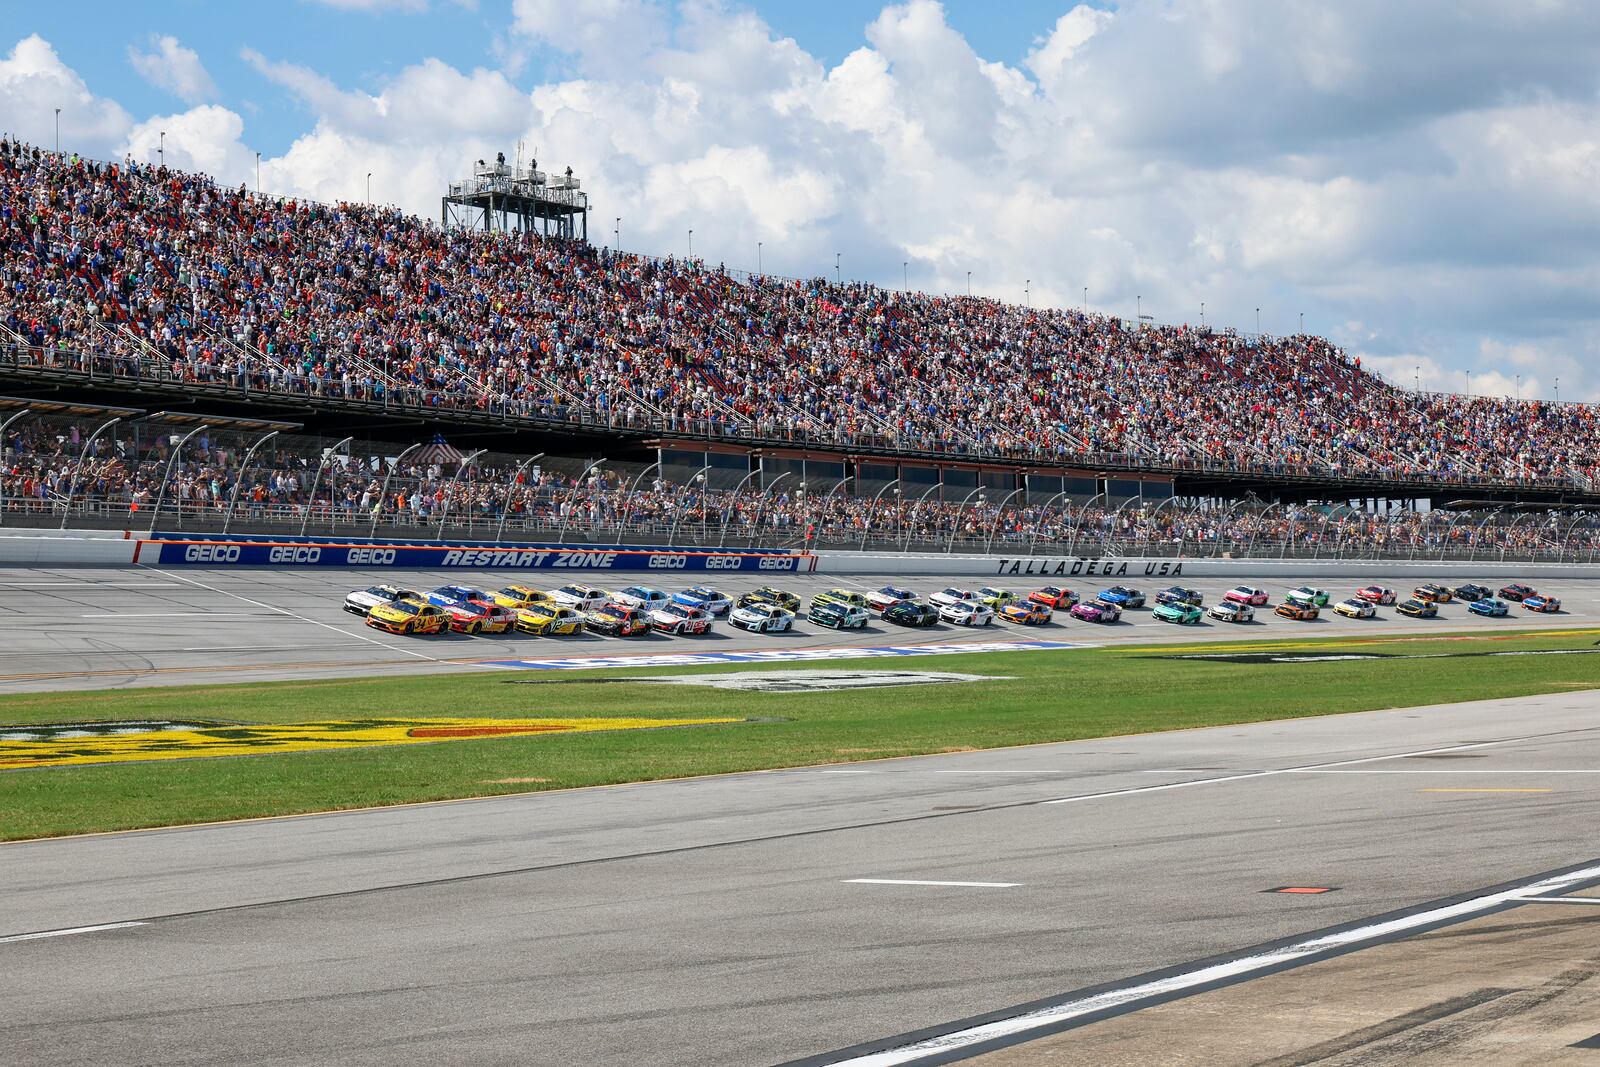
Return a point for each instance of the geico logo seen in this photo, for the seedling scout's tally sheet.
(658, 562)
(376, 556)
(723, 563)
(776, 563)
(211, 554)
(293, 554)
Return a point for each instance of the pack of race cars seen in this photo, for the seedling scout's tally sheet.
(637, 610)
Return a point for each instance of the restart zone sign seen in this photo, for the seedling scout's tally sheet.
(517, 557)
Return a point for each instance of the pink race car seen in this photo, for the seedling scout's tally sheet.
(1096, 611)
(1246, 594)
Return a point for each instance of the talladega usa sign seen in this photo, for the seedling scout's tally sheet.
(1080, 565)
(203, 553)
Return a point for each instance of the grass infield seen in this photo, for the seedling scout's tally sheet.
(1034, 697)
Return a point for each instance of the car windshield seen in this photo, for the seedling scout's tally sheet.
(576, 591)
(612, 612)
(678, 610)
(410, 607)
(957, 593)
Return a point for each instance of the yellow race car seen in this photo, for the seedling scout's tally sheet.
(409, 617)
(845, 598)
(519, 596)
(549, 620)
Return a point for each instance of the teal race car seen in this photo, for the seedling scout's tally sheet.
(1177, 612)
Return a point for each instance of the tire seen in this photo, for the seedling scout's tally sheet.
(474, 630)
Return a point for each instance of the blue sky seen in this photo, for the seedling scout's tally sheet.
(1433, 209)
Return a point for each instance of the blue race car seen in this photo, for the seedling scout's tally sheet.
(1121, 596)
(704, 598)
(452, 596)
(1488, 607)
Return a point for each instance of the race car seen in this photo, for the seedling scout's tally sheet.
(519, 596)
(847, 597)
(967, 613)
(1121, 596)
(762, 618)
(1305, 594)
(1517, 591)
(1418, 609)
(1177, 612)
(579, 597)
(952, 595)
(773, 597)
(618, 620)
(1025, 613)
(837, 616)
(1246, 594)
(476, 618)
(1177, 594)
(1233, 611)
(1471, 592)
(1297, 610)
(409, 617)
(1355, 608)
(995, 598)
(1548, 605)
(1489, 608)
(361, 601)
(680, 619)
(885, 598)
(911, 613)
(639, 596)
(1433, 594)
(447, 595)
(1095, 611)
(705, 598)
(550, 620)
(1054, 596)
(1376, 594)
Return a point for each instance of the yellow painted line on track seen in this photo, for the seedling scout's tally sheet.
(1487, 790)
(1279, 644)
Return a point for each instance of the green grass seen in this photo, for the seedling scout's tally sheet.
(1049, 696)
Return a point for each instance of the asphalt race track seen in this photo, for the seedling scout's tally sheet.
(720, 920)
(111, 628)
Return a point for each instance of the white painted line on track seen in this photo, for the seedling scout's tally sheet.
(1247, 775)
(1131, 996)
(1461, 770)
(920, 881)
(1559, 900)
(178, 615)
(69, 931)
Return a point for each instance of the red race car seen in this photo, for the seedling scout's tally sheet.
(1376, 594)
(476, 617)
(1054, 597)
(1246, 594)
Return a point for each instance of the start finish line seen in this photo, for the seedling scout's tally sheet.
(778, 655)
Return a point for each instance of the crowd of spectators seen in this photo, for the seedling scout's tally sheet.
(147, 271)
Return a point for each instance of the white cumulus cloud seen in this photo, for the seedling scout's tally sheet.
(170, 66)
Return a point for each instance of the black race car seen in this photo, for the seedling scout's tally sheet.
(618, 621)
(1177, 594)
(911, 613)
(1471, 592)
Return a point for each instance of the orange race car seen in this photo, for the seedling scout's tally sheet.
(1300, 611)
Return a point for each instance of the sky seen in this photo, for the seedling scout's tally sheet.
(1419, 181)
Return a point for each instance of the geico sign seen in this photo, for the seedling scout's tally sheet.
(777, 563)
(374, 556)
(660, 562)
(723, 563)
(293, 554)
(211, 554)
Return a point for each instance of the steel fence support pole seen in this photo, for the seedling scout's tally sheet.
(316, 479)
(511, 487)
(383, 491)
(11, 419)
(77, 468)
(244, 468)
(461, 468)
(166, 476)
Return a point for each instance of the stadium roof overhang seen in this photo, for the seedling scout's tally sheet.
(66, 407)
(189, 419)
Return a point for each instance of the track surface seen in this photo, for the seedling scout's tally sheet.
(105, 628)
(710, 921)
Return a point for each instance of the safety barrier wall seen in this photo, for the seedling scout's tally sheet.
(113, 548)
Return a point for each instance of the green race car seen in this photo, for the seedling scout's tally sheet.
(1305, 594)
(996, 598)
(847, 598)
(1177, 612)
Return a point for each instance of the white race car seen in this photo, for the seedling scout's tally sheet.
(680, 619)
(581, 597)
(888, 597)
(967, 613)
(945, 597)
(762, 618)
(1232, 611)
(361, 601)
(1355, 608)
(640, 596)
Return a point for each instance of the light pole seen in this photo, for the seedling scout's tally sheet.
(369, 188)
(616, 232)
(838, 271)
(1027, 292)
(691, 244)
(258, 173)
(1558, 390)
(1202, 314)
(905, 275)
(1138, 311)
(1258, 322)
(758, 257)
(969, 283)
(1302, 322)
(161, 150)
(1086, 298)
(58, 131)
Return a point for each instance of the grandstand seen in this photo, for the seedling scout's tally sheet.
(181, 351)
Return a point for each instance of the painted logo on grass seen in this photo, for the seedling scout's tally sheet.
(781, 655)
(817, 681)
(75, 744)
